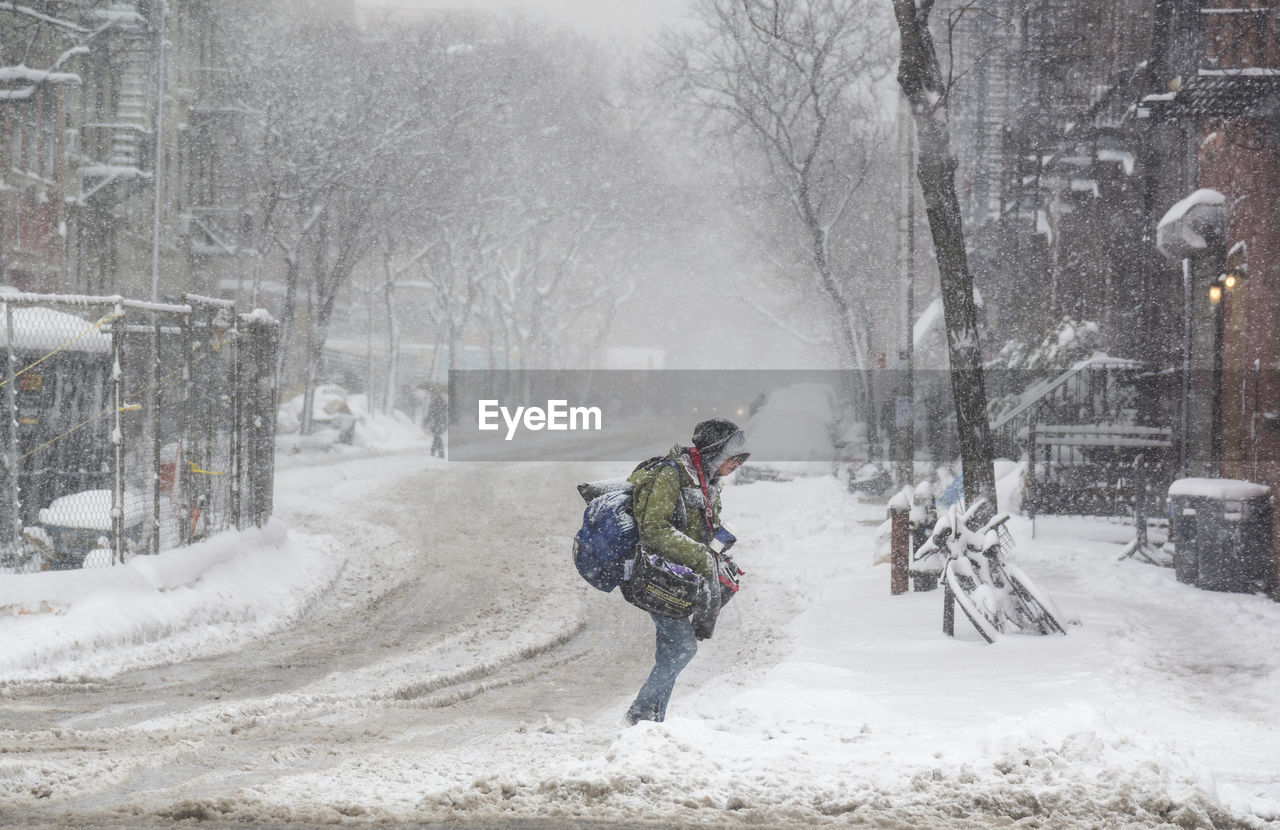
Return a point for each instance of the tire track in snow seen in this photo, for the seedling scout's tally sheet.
(415, 637)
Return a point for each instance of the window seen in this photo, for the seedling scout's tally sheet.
(47, 134)
(17, 119)
(33, 135)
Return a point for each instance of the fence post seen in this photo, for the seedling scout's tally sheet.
(267, 344)
(182, 479)
(117, 436)
(11, 404)
(237, 421)
(157, 400)
(900, 541)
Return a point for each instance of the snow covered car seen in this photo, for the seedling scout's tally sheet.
(330, 412)
(74, 525)
(817, 399)
(788, 443)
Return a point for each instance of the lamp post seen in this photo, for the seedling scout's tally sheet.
(157, 178)
(1192, 232)
(1184, 404)
(1215, 417)
(904, 398)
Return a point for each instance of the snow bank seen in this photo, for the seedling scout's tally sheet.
(205, 599)
(343, 419)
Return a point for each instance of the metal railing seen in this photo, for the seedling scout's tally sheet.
(133, 427)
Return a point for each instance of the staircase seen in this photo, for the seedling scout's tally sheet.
(1086, 453)
(132, 117)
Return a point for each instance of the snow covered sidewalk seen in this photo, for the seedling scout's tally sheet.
(1158, 710)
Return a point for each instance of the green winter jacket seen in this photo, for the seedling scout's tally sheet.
(654, 496)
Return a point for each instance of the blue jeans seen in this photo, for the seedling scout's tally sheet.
(676, 646)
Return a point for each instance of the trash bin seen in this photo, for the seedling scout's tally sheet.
(1221, 532)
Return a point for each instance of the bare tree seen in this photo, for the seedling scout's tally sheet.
(921, 79)
(794, 83)
(549, 176)
(333, 146)
(394, 268)
(484, 160)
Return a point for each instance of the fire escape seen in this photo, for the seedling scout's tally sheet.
(1061, 148)
(213, 219)
(118, 145)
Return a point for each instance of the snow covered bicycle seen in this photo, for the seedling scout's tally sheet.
(996, 596)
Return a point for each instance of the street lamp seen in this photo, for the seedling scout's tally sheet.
(1193, 232)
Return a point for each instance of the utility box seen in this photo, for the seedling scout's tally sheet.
(1221, 532)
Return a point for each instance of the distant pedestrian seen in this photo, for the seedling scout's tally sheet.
(438, 419)
(691, 482)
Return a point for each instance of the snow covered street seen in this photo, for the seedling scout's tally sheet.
(408, 642)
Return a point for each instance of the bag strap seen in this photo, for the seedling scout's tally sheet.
(677, 512)
(696, 457)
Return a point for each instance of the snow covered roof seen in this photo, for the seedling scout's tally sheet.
(1220, 489)
(926, 321)
(1124, 157)
(1232, 91)
(1098, 360)
(634, 357)
(91, 510)
(42, 330)
(932, 317)
(28, 79)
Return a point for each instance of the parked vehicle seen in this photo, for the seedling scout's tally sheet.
(794, 433)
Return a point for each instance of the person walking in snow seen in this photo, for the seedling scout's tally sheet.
(438, 418)
(682, 536)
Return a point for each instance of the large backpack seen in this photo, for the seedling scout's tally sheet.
(606, 539)
(608, 536)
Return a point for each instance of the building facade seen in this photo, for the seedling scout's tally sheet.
(115, 128)
(1078, 125)
(1232, 106)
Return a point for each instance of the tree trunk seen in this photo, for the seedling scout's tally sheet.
(393, 347)
(844, 311)
(311, 363)
(920, 77)
(287, 314)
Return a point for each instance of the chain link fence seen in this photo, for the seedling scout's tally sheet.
(133, 427)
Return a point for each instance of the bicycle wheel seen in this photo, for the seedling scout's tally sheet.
(1041, 608)
(974, 597)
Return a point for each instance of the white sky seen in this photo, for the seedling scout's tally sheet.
(604, 18)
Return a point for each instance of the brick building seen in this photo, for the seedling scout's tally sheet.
(83, 135)
(1078, 124)
(1230, 105)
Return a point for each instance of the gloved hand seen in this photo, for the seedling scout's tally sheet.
(728, 575)
(706, 606)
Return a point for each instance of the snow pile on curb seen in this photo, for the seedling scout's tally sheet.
(336, 414)
(205, 599)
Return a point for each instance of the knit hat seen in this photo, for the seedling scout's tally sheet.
(717, 441)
